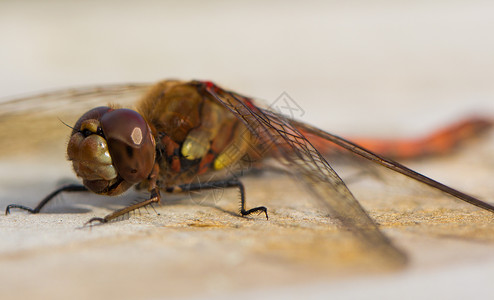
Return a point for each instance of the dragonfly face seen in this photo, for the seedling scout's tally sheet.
(111, 149)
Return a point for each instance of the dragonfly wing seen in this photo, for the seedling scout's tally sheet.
(295, 150)
(34, 123)
(393, 165)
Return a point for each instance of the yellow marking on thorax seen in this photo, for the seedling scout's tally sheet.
(234, 151)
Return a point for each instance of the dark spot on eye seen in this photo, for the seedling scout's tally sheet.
(133, 171)
(130, 151)
(86, 132)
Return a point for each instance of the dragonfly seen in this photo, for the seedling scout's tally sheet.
(183, 130)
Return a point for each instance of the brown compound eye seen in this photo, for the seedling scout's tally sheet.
(93, 114)
(130, 142)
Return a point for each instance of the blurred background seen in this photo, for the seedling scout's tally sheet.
(355, 67)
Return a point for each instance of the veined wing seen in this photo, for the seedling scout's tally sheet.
(305, 161)
(34, 123)
(392, 165)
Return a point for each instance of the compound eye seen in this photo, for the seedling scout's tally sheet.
(130, 143)
(93, 114)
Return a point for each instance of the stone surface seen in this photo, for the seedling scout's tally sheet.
(197, 246)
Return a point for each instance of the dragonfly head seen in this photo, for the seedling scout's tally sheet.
(111, 149)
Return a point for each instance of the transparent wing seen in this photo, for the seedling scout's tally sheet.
(393, 165)
(32, 124)
(293, 149)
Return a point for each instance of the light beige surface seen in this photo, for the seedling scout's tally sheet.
(198, 247)
(355, 67)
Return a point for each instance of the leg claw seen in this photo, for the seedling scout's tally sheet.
(92, 220)
(259, 210)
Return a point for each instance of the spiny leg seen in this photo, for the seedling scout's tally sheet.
(67, 188)
(228, 183)
(154, 198)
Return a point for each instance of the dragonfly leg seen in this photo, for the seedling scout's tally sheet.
(67, 188)
(154, 198)
(228, 183)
